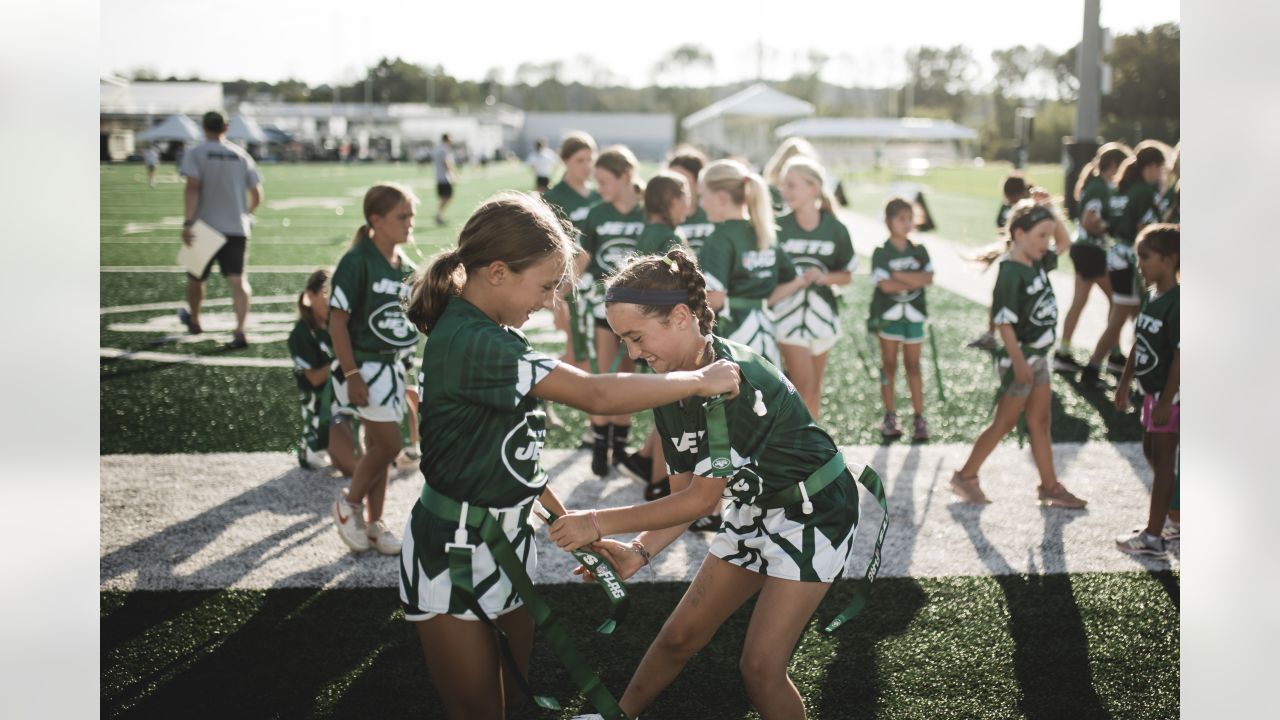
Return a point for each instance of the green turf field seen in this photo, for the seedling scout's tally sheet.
(1077, 646)
(1084, 645)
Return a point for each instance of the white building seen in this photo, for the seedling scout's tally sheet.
(126, 107)
(744, 123)
(909, 143)
(649, 135)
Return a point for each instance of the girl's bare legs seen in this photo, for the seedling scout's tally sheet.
(342, 448)
(819, 371)
(915, 379)
(464, 660)
(798, 360)
(1111, 336)
(1164, 447)
(1078, 301)
(716, 592)
(382, 445)
(1038, 421)
(1007, 411)
(888, 373)
(782, 611)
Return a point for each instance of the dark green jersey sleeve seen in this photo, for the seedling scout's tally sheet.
(786, 267)
(716, 260)
(348, 284)
(843, 259)
(495, 368)
(305, 349)
(1006, 296)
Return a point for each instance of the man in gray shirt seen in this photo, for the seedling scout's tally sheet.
(443, 157)
(223, 189)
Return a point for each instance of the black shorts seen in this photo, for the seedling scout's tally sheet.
(1124, 286)
(444, 190)
(1090, 260)
(543, 182)
(230, 258)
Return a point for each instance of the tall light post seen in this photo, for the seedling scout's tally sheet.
(1080, 149)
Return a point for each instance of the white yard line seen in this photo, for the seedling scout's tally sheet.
(254, 520)
(206, 360)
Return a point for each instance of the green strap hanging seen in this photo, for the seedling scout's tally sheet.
(937, 368)
(870, 480)
(584, 347)
(607, 577)
(460, 573)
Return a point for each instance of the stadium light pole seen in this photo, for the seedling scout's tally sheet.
(1080, 149)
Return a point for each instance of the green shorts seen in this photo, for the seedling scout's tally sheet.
(902, 330)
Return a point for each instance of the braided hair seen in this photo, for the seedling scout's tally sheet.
(676, 271)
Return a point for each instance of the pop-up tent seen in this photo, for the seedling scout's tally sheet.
(245, 129)
(175, 128)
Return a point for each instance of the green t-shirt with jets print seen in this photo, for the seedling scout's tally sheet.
(908, 305)
(695, 229)
(610, 236)
(572, 206)
(370, 291)
(827, 247)
(482, 430)
(1095, 196)
(1023, 297)
(1156, 338)
(658, 239)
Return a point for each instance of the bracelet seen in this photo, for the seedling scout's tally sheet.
(596, 523)
(644, 552)
(349, 373)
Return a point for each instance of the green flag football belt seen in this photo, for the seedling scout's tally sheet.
(584, 347)
(800, 494)
(388, 357)
(460, 553)
(741, 303)
(607, 577)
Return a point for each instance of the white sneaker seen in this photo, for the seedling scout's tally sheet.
(382, 539)
(1140, 543)
(349, 519)
(309, 459)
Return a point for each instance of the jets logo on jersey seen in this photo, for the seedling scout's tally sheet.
(1045, 312)
(799, 246)
(745, 487)
(1148, 323)
(753, 259)
(387, 286)
(522, 448)
(389, 323)
(697, 231)
(687, 442)
(619, 227)
(1144, 356)
(614, 252)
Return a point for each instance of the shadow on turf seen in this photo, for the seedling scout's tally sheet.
(1051, 648)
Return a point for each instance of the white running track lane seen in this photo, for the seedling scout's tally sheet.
(255, 520)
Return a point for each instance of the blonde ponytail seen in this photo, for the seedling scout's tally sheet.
(744, 188)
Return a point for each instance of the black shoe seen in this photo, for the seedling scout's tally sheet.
(184, 317)
(1115, 365)
(1091, 377)
(1065, 364)
(587, 441)
(635, 465)
(238, 342)
(710, 523)
(657, 490)
(600, 450)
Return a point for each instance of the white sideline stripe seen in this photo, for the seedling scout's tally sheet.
(179, 304)
(254, 520)
(210, 361)
(180, 269)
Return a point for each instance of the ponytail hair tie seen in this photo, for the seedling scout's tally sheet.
(670, 263)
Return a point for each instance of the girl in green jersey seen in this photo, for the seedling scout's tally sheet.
(483, 430)
(815, 240)
(772, 173)
(688, 161)
(323, 427)
(572, 199)
(1025, 313)
(370, 339)
(786, 550)
(609, 236)
(1156, 362)
(1089, 250)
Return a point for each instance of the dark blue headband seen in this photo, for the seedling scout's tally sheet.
(1038, 214)
(637, 296)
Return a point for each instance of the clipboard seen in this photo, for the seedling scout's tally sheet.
(197, 256)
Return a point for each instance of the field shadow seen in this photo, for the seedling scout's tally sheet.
(1051, 648)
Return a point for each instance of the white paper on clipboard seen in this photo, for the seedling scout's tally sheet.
(196, 256)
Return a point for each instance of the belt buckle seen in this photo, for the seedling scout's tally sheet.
(460, 541)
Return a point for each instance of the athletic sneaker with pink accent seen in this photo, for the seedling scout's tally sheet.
(349, 519)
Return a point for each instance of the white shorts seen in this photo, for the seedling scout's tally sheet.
(425, 596)
(386, 384)
(817, 346)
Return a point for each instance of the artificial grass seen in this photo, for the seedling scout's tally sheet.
(1087, 645)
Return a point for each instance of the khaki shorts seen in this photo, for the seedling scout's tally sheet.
(1039, 375)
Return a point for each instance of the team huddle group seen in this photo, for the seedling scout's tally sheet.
(709, 294)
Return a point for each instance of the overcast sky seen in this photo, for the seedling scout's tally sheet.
(321, 41)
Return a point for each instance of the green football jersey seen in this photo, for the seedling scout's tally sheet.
(732, 264)
(371, 291)
(571, 205)
(1137, 208)
(482, 432)
(1023, 297)
(1002, 216)
(775, 443)
(1168, 206)
(1155, 340)
(780, 207)
(657, 239)
(1095, 196)
(610, 237)
(827, 247)
(310, 349)
(909, 305)
(695, 229)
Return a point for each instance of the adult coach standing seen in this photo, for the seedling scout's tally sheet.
(223, 189)
(443, 157)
